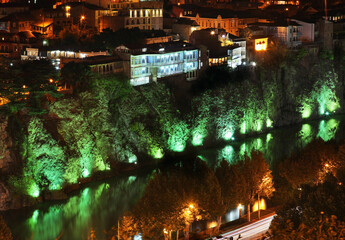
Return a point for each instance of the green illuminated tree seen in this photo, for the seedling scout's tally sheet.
(46, 159)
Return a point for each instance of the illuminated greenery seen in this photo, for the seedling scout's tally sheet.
(328, 129)
(46, 159)
(227, 153)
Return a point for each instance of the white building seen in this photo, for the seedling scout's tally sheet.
(56, 55)
(155, 61)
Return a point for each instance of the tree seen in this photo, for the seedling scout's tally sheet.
(5, 232)
(173, 200)
(27, 84)
(317, 214)
(229, 179)
(310, 165)
(256, 177)
(76, 75)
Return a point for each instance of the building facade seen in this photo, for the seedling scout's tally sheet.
(156, 61)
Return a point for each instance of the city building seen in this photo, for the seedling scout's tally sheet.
(307, 31)
(150, 63)
(184, 28)
(9, 8)
(12, 44)
(86, 15)
(100, 64)
(222, 47)
(21, 22)
(56, 55)
(142, 15)
(287, 33)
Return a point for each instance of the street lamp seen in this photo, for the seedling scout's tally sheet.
(240, 209)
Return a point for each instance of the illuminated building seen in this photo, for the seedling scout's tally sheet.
(56, 55)
(156, 61)
(287, 33)
(12, 44)
(142, 15)
(223, 48)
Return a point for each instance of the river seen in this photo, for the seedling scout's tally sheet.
(99, 204)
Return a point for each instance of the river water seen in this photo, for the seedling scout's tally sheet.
(99, 204)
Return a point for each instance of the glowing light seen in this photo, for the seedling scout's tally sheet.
(227, 134)
(268, 137)
(132, 159)
(261, 44)
(157, 152)
(262, 205)
(198, 138)
(239, 206)
(269, 123)
(212, 32)
(243, 128)
(259, 125)
(34, 190)
(212, 224)
(86, 172)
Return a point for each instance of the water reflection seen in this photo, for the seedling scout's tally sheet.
(290, 140)
(97, 206)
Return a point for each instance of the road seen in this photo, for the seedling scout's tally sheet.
(251, 231)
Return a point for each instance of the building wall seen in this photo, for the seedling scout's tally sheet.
(308, 31)
(184, 30)
(151, 67)
(112, 22)
(231, 25)
(146, 19)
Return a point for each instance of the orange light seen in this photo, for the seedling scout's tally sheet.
(51, 80)
(82, 17)
(261, 44)
(262, 205)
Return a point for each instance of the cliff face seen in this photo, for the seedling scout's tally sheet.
(5, 145)
(112, 123)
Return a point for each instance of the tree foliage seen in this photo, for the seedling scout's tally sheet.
(27, 84)
(5, 232)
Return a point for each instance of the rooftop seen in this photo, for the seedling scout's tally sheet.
(159, 48)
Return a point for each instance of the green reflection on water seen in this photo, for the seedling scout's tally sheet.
(328, 129)
(226, 153)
